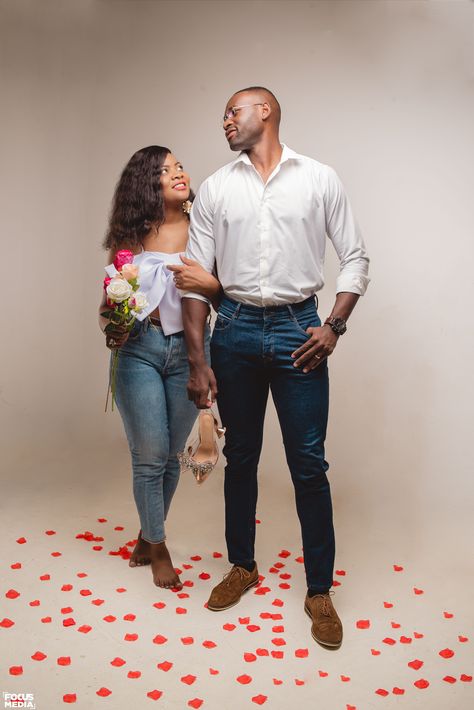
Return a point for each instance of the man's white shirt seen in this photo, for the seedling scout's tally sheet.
(268, 240)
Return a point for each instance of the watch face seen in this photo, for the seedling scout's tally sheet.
(339, 325)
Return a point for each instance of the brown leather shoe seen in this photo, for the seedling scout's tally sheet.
(327, 626)
(228, 592)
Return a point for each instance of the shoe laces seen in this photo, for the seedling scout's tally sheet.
(235, 570)
(326, 605)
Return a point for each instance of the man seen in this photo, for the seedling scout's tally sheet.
(263, 220)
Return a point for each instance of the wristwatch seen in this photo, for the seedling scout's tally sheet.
(338, 325)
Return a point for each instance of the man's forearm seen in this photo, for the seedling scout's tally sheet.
(195, 313)
(344, 305)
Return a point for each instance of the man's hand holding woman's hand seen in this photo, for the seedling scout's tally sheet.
(201, 380)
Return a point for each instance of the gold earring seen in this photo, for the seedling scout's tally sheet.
(187, 206)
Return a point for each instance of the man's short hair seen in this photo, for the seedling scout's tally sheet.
(270, 94)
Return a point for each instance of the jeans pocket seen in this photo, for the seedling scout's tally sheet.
(223, 321)
(304, 319)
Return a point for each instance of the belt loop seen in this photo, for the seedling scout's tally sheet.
(317, 300)
(237, 310)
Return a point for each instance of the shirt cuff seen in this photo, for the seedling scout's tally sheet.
(197, 296)
(352, 283)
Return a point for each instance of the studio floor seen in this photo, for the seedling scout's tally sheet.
(79, 627)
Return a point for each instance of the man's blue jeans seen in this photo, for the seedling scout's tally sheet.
(251, 354)
(152, 375)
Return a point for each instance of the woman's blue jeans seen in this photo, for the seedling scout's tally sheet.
(251, 354)
(152, 374)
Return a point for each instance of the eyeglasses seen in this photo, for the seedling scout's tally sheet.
(231, 113)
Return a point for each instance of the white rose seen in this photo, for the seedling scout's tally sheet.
(119, 290)
(138, 301)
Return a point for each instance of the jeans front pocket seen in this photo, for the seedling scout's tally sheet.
(304, 319)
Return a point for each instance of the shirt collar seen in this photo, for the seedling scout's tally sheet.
(286, 154)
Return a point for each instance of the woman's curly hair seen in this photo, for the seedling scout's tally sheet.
(138, 199)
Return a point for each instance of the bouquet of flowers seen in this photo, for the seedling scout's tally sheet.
(124, 302)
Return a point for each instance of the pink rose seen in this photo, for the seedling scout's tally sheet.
(124, 256)
(107, 280)
(129, 272)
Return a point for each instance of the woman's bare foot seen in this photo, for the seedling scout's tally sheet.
(141, 553)
(164, 574)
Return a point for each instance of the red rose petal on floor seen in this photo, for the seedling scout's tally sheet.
(421, 684)
(57, 554)
(129, 617)
(341, 572)
(284, 554)
(183, 595)
(21, 540)
(449, 679)
(134, 674)
(195, 703)
(253, 627)
(335, 583)
(374, 652)
(204, 575)
(66, 587)
(463, 639)
(389, 641)
(97, 602)
(15, 670)
(397, 568)
(154, 694)
(188, 679)
(181, 610)
(418, 591)
(299, 559)
(394, 625)
(446, 653)
(279, 642)
(260, 591)
(250, 657)
(351, 707)
(465, 678)
(160, 639)
(69, 622)
(130, 637)
(213, 671)
(84, 629)
(70, 698)
(81, 575)
(277, 602)
(97, 548)
(46, 620)
(262, 652)
(45, 577)
(12, 594)
(447, 615)
(273, 570)
(388, 605)
(118, 527)
(363, 624)
(35, 602)
(277, 681)
(323, 674)
(417, 635)
(244, 679)
(345, 678)
(216, 555)
(66, 609)
(382, 692)
(244, 619)
(285, 575)
(6, 623)
(187, 566)
(284, 585)
(405, 639)
(120, 590)
(278, 629)
(299, 682)
(117, 662)
(398, 691)
(38, 656)
(103, 692)
(301, 653)
(195, 558)
(159, 605)
(165, 666)
(229, 627)
(64, 661)
(101, 520)
(85, 592)
(50, 532)
(209, 644)
(416, 664)
(188, 583)
(187, 640)
(278, 654)
(259, 699)
(16, 565)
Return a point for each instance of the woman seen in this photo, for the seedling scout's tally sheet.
(149, 217)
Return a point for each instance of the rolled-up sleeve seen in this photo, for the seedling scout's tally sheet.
(201, 245)
(344, 233)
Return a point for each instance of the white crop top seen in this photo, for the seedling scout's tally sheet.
(156, 282)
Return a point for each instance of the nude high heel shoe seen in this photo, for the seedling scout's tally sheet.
(202, 455)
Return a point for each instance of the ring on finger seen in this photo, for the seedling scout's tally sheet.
(317, 357)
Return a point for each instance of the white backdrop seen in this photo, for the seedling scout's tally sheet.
(382, 91)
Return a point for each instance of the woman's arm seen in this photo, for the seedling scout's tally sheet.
(191, 276)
